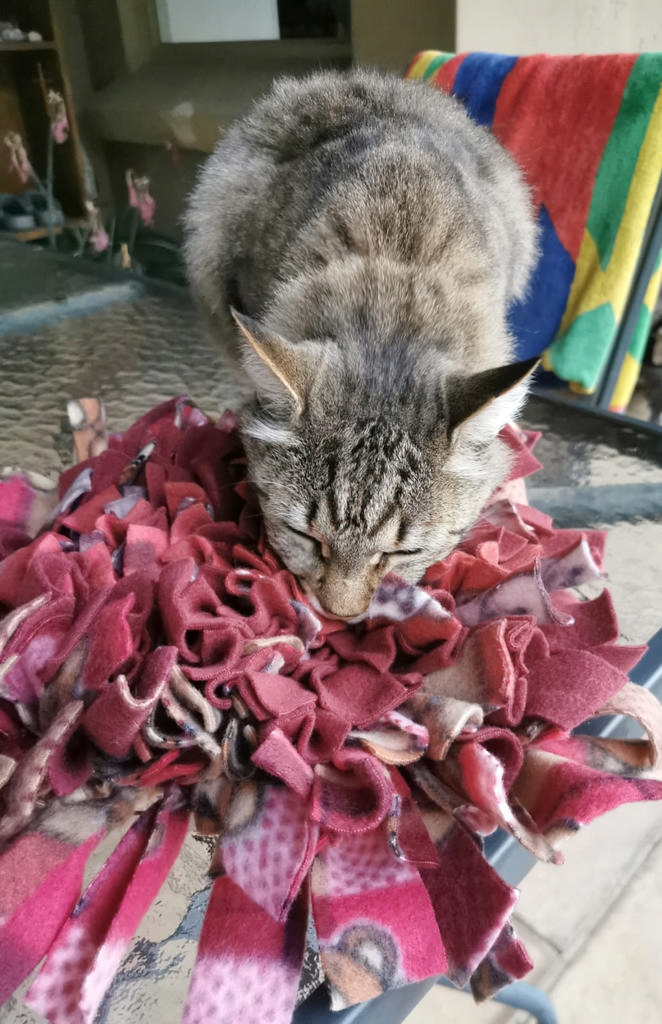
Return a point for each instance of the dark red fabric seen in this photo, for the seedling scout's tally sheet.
(151, 642)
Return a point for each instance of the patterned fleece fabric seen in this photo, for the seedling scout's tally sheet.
(159, 665)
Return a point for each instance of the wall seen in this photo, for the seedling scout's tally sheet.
(389, 33)
(559, 26)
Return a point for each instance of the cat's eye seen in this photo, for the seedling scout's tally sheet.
(381, 559)
(323, 548)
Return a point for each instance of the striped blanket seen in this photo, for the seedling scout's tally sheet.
(587, 131)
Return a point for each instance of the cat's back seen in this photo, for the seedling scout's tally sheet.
(360, 164)
(360, 138)
(387, 153)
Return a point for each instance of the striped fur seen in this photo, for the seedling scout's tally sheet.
(371, 238)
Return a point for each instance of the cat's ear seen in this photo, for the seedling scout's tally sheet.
(274, 365)
(489, 399)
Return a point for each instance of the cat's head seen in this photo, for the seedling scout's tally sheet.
(368, 461)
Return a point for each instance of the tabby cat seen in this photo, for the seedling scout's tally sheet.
(354, 243)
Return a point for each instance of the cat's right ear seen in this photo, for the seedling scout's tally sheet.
(488, 400)
(274, 365)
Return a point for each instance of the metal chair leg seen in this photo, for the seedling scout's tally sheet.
(650, 251)
(521, 996)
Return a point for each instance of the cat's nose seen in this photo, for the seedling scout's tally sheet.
(344, 597)
(327, 608)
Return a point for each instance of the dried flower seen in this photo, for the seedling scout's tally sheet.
(18, 159)
(137, 187)
(100, 240)
(98, 235)
(57, 115)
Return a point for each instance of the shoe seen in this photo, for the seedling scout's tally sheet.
(38, 204)
(15, 215)
(10, 34)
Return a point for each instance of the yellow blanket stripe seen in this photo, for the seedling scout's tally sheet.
(417, 70)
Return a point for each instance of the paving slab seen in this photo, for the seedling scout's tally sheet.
(564, 904)
(616, 978)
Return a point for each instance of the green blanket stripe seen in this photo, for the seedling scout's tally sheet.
(436, 63)
(581, 351)
(619, 159)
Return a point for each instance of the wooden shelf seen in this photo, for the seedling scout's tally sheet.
(17, 47)
(31, 234)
